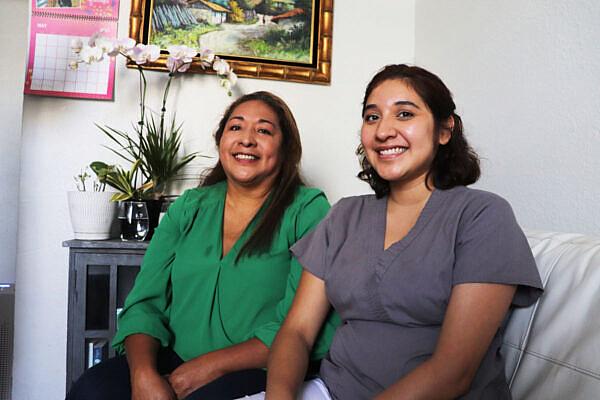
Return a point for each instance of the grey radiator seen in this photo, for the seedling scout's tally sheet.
(7, 325)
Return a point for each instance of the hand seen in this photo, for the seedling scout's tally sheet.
(151, 386)
(192, 375)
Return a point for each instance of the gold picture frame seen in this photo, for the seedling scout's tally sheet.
(316, 70)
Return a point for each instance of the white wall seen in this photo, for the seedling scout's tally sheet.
(12, 76)
(59, 138)
(526, 79)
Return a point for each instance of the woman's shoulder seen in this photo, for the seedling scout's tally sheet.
(305, 193)
(474, 198)
(354, 207)
(472, 204)
(353, 201)
(200, 196)
(308, 199)
(308, 195)
(214, 191)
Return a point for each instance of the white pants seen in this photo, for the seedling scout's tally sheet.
(314, 389)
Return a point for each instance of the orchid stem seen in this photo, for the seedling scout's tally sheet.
(164, 102)
(141, 123)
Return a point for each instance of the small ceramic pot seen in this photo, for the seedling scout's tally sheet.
(92, 214)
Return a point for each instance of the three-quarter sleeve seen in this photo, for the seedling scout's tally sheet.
(312, 250)
(309, 215)
(146, 308)
(492, 248)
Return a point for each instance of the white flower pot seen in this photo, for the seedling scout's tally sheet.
(92, 214)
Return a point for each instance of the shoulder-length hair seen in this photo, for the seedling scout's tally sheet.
(455, 163)
(287, 180)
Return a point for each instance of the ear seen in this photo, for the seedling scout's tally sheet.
(446, 131)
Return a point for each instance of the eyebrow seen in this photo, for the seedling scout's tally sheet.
(398, 103)
(260, 121)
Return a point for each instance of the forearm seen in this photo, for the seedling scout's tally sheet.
(288, 361)
(205, 368)
(146, 383)
(141, 353)
(250, 354)
(431, 380)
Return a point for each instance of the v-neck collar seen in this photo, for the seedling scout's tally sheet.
(233, 251)
(385, 256)
(414, 230)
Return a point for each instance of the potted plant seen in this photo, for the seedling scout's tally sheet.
(153, 148)
(91, 209)
(136, 213)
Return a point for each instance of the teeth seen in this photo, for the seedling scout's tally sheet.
(394, 150)
(245, 157)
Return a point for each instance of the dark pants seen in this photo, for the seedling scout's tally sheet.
(110, 380)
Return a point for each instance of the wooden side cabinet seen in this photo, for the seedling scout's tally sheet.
(101, 274)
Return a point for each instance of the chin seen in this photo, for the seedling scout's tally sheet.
(392, 176)
(245, 181)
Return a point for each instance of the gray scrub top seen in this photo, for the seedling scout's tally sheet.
(392, 302)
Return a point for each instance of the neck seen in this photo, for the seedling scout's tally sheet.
(242, 196)
(410, 193)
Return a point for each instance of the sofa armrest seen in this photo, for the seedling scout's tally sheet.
(552, 347)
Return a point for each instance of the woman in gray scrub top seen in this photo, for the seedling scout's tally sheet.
(423, 273)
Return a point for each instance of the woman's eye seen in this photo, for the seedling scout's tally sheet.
(235, 128)
(405, 114)
(264, 131)
(371, 117)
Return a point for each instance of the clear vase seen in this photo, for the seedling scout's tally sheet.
(134, 220)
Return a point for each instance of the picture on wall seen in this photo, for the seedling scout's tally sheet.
(271, 39)
(57, 3)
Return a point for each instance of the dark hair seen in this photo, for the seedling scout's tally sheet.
(287, 180)
(455, 163)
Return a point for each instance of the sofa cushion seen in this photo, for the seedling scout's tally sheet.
(552, 348)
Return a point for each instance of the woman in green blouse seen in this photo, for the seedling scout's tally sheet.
(217, 278)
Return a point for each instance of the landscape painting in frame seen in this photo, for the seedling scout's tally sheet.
(57, 3)
(264, 33)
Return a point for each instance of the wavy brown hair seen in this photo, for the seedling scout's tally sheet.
(286, 182)
(455, 163)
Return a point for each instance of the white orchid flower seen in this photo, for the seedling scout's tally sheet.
(153, 52)
(76, 45)
(177, 65)
(108, 46)
(90, 54)
(221, 66)
(232, 78)
(180, 58)
(125, 45)
(92, 40)
(183, 52)
(207, 56)
(142, 53)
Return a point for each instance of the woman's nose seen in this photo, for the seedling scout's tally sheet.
(386, 129)
(247, 138)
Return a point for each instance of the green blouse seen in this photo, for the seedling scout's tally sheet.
(190, 298)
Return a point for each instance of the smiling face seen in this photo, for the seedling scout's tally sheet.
(249, 149)
(398, 134)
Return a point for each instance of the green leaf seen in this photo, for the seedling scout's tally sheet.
(120, 197)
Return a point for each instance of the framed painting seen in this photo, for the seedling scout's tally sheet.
(267, 39)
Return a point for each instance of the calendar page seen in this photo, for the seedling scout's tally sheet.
(54, 24)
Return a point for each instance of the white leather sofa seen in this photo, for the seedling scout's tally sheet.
(552, 348)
